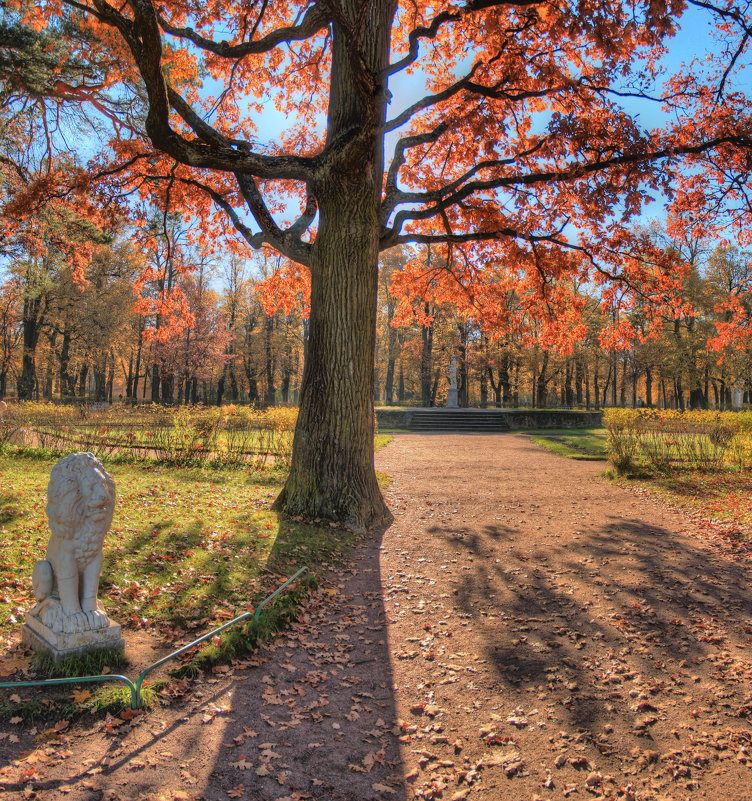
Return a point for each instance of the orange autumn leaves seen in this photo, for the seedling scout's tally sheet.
(518, 163)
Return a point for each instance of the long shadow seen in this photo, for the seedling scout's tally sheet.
(8, 509)
(602, 639)
(312, 713)
(324, 697)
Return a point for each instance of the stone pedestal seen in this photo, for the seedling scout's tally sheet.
(59, 646)
(452, 398)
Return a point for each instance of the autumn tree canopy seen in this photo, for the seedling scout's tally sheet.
(518, 162)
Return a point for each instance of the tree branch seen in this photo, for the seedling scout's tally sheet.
(286, 242)
(568, 173)
(143, 36)
(432, 30)
(313, 21)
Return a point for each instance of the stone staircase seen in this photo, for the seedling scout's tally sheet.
(463, 421)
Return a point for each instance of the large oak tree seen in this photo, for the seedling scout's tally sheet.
(515, 160)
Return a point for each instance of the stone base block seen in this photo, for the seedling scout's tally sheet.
(59, 646)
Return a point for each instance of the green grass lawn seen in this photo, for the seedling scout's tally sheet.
(188, 547)
(574, 443)
(722, 496)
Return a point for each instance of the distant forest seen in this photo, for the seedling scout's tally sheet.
(220, 340)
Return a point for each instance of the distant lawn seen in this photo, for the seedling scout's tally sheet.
(575, 443)
(188, 547)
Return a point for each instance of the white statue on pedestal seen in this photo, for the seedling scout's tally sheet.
(80, 505)
(453, 392)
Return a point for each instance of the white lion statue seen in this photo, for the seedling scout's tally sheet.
(80, 504)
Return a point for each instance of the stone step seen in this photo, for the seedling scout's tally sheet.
(466, 420)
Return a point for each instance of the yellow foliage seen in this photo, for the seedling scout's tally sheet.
(663, 439)
(673, 418)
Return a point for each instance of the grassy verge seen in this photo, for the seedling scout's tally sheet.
(381, 440)
(189, 549)
(574, 443)
(723, 497)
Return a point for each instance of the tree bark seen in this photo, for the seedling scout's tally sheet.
(391, 350)
(568, 391)
(426, 357)
(155, 382)
(82, 376)
(332, 474)
(541, 383)
(49, 370)
(33, 315)
(100, 379)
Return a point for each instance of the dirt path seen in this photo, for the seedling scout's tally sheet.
(574, 636)
(548, 635)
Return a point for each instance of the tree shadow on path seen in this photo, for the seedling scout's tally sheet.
(309, 716)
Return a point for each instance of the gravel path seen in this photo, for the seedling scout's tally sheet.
(577, 638)
(524, 630)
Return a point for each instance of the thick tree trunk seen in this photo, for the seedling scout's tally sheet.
(391, 354)
(110, 376)
(286, 373)
(332, 474)
(495, 386)
(100, 380)
(50, 369)
(168, 384)
(32, 327)
(569, 395)
(541, 383)
(250, 374)
(596, 388)
(146, 381)
(586, 380)
(389, 384)
(137, 372)
(129, 379)
(483, 389)
(67, 381)
(463, 384)
(155, 382)
(221, 388)
(506, 390)
(270, 390)
(82, 376)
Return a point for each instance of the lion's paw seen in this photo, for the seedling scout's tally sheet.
(76, 623)
(97, 619)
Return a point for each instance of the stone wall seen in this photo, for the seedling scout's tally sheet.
(399, 417)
